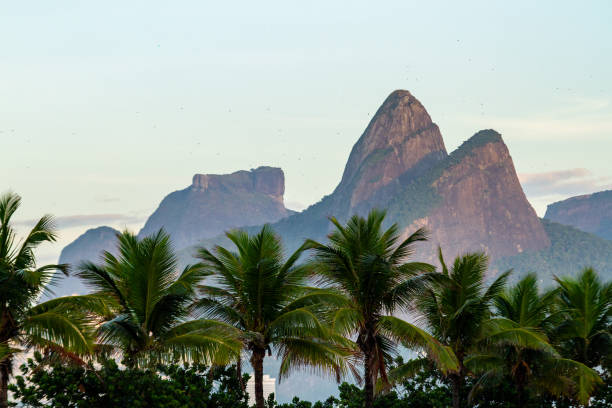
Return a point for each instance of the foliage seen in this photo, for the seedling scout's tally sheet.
(147, 314)
(58, 325)
(519, 348)
(455, 308)
(264, 296)
(366, 266)
(108, 385)
(586, 304)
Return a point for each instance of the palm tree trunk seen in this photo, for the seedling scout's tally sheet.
(457, 384)
(239, 372)
(5, 369)
(257, 358)
(520, 393)
(369, 381)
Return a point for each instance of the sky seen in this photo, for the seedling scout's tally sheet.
(106, 107)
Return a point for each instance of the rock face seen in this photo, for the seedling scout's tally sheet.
(215, 203)
(400, 137)
(87, 247)
(590, 213)
(480, 203)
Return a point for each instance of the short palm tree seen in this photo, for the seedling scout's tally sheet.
(265, 297)
(584, 334)
(148, 317)
(455, 307)
(519, 348)
(366, 264)
(56, 325)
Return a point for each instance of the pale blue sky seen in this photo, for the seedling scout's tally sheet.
(106, 107)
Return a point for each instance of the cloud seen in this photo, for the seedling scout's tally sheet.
(69, 221)
(567, 182)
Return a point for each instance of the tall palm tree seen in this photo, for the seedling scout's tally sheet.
(149, 318)
(265, 296)
(56, 325)
(519, 348)
(584, 333)
(366, 264)
(455, 308)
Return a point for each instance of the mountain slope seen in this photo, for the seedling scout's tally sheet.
(471, 201)
(571, 250)
(211, 205)
(590, 213)
(215, 203)
(87, 247)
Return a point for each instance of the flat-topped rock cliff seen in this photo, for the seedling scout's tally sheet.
(214, 203)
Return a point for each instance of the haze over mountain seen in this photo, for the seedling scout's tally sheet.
(591, 213)
(87, 247)
(212, 204)
(468, 200)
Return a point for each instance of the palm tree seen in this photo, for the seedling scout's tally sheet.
(519, 348)
(149, 318)
(366, 265)
(584, 333)
(265, 296)
(57, 325)
(455, 308)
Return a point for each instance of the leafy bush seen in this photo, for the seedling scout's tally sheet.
(111, 386)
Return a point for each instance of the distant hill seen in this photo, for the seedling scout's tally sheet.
(590, 213)
(571, 250)
(87, 247)
(214, 203)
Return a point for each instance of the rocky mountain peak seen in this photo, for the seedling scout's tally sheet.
(481, 205)
(400, 135)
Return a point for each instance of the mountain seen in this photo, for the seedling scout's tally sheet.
(591, 213)
(87, 247)
(214, 203)
(468, 200)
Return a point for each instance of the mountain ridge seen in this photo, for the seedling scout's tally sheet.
(469, 200)
(589, 212)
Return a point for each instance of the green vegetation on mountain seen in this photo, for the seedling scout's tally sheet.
(419, 197)
(570, 250)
